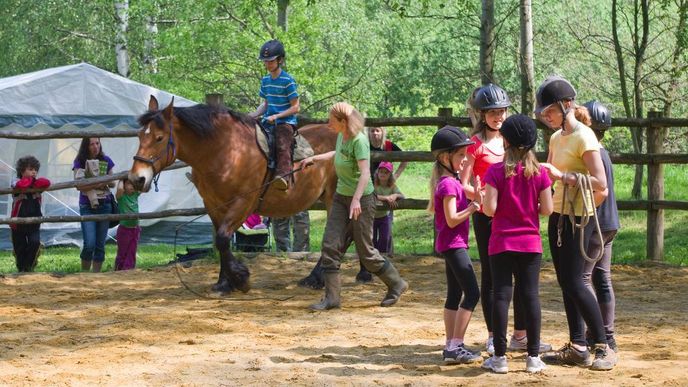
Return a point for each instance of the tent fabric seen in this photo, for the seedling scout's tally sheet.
(84, 97)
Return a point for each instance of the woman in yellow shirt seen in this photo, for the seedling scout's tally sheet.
(573, 150)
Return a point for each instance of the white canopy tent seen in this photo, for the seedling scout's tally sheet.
(84, 97)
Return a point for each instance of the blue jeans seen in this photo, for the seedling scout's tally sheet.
(94, 233)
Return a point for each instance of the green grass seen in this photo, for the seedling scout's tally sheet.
(413, 229)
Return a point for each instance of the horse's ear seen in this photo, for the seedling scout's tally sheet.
(153, 104)
(169, 110)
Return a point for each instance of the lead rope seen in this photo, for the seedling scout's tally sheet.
(584, 186)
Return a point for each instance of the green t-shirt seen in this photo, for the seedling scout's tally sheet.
(346, 163)
(384, 191)
(129, 204)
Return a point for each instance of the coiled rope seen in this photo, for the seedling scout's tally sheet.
(583, 187)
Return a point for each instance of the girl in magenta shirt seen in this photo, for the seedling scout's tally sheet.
(516, 192)
(452, 210)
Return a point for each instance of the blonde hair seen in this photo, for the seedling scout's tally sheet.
(342, 111)
(582, 114)
(473, 114)
(437, 171)
(514, 156)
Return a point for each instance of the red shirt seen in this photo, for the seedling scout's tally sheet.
(484, 158)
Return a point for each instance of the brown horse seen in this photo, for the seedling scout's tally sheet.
(229, 171)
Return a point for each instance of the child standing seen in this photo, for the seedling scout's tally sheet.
(26, 238)
(516, 191)
(387, 191)
(598, 276)
(452, 210)
(128, 232)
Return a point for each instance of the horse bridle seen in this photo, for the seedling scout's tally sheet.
(151, 161)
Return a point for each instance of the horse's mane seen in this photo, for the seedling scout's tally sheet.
(198, 118)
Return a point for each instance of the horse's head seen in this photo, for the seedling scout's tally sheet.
(157, 148)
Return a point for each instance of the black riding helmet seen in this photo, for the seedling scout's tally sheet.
(491, 97)
(554, 89)
(601, 118)
(271, 50)
(520, 131)
(448, 138)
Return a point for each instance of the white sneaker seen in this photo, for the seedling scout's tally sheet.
(534, 364)
(521, 345)
(489, 345)
(496, 364)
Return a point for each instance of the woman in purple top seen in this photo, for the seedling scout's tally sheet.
(94, 233)
(452, 210)
(517, 191)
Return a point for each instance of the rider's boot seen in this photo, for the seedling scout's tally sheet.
(284, 138)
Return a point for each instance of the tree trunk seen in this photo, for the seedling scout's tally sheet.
(641, 33)
(526, 59)
(487, 41)
(121, 50)
(149, 59)
(282, 6)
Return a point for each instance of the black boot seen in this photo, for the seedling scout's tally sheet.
(395, 284)
(363, 276)
(333, 287)
(284, 138)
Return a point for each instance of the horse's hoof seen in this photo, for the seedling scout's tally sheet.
(222, 286)
(245, 287)
(312, 282)
(364, 277)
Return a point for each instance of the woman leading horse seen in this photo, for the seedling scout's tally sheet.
(230, 171)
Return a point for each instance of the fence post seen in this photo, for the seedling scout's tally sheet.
(445, 113)
(214, 100)
(655, 190)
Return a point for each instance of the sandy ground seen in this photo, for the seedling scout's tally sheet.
(144, 328)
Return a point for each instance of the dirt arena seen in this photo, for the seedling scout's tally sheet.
(144, 328)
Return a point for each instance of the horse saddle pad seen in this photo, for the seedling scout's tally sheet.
(302, 148)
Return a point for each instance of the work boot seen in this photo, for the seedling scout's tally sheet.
(395, 284)
(284, 138)
(333, 288)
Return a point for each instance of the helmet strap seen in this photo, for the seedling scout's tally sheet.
(450, 168)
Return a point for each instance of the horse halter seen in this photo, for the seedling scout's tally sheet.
(151, 161)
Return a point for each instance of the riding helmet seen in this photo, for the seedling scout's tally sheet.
(601, 118)
(448, 138)
(552, 90)
(271, 50)
(520, 131)
(491, 97)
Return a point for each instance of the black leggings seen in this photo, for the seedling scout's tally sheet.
(526, 268)
(482, 227)
(460, 280)
(579, 302)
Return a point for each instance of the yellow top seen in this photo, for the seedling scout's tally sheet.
(567, 155)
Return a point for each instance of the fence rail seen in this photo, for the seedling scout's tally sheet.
(655, 124)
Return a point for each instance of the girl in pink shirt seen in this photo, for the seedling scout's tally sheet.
(516, 191)
(488, 108)
(452, 210)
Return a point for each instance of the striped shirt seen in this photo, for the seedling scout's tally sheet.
(278, 92)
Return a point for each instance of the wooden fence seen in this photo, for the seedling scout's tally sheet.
(655, 204)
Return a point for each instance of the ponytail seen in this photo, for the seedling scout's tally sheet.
(434, 179)
(583, 115)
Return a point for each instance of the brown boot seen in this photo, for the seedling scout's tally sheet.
(85, 265)
(284, 137)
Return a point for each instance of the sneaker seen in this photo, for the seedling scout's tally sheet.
(605, 358)
(534, 364)
(568, 355)
(496, 364)
(460, 355)
(521, 345)
(612, 344)
(489, 345)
